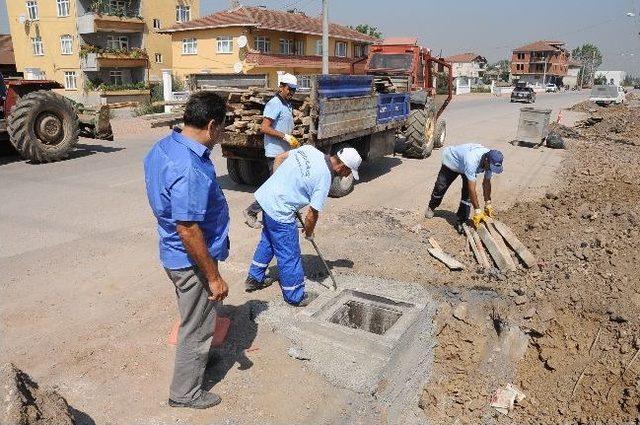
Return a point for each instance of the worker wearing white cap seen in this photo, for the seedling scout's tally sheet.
(277, 126)
(302, 177)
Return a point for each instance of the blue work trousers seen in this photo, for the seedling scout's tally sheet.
(282, 241)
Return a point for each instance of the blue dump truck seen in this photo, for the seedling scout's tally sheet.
(361, 111)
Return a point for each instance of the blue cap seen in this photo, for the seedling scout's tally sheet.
(495, 158)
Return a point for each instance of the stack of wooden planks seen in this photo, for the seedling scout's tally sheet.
(499, 240)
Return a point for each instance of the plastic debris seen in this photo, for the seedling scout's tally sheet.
(504, 398)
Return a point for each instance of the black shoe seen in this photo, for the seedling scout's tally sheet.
(205, 401)
(251, 219)
(251, 285)
(459, 228)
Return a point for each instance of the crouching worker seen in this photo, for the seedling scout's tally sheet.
(302, 177)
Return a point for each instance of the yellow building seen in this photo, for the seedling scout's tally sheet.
(255, 40)
(85, 44)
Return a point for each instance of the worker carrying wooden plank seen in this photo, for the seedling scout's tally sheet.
(467, 160)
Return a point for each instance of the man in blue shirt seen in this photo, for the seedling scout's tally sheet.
(277, 126)
(193, 225)
(304, 178)
(468, 161)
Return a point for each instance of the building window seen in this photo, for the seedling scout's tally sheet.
(183, 13)
(225, 44)
(32, 10)
(319, 47)
(158, 57)
(118, 42)
(341, 49)
(304, 82)
(115, 78)
(156, 24)
(189, 46)
(286, 47)
(117, 6)
(263, 44)
(66, 44)
(36, 43)
(70, 82)
(63, 8)
(299, 48)
(358, 50)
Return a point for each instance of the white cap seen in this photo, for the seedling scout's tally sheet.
(290, 80)
(351, 158)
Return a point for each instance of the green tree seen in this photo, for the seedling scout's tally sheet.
(368, 30)
(628, 81)
(591, 58)
(500, 69)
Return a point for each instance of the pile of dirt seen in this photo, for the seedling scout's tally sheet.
(25, 403)
(577, 310)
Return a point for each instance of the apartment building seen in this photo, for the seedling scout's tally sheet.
(260, 41)
(468, 66)
(96, 46)
(540, 63)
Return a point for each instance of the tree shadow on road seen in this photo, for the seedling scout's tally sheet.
(242, 333)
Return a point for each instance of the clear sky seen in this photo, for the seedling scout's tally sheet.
(488, 27)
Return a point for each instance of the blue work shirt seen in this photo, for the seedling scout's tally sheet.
(465, 159)
(280, 112)
(181, 186)
(304, 178)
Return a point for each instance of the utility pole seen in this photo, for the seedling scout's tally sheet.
(325, 37)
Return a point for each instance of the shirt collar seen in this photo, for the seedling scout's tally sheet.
(283, 101)
(197, 148)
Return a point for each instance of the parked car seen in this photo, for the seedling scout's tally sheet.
(551, 88)
(636, 86)
(523, 94)
(604, 95)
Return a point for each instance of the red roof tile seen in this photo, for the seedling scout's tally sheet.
(277, 20)
(295, 61)
(541, 46)
(464, 58)
(6, 50)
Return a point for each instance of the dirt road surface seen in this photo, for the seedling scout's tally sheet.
(87, 307)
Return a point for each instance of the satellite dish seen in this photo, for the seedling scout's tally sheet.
(238, 67)
(242, 41)
(22, 19)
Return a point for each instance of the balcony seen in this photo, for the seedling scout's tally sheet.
(93, 58)
(91, 23)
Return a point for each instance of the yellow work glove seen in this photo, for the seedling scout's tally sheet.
(293, 142)
(478, 217)
(488, 209)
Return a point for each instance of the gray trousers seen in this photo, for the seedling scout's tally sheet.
(197, 320)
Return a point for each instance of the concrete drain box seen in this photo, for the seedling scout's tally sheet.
(369, 317)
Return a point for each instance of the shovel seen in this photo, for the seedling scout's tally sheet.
(315, 246)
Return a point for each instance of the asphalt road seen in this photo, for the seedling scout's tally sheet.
(86, 306)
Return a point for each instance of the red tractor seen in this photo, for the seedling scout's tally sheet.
(401, 65)
(42, 126)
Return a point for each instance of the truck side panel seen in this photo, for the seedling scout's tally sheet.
(346, 115)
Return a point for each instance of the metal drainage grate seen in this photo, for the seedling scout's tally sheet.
(367, 317)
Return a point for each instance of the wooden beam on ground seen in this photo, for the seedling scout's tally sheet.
(437, 252)
(476, 246)
(503, 262)
(497, 237)
(521, 250)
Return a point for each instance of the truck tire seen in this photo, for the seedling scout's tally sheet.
(253, 173)
(441, 134)
(43, 126)
(341, 186)
(233, 169)
(420, 132)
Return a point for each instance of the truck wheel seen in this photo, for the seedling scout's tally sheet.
(341, 186)
(43, 126)
(420, 132)
(233, 168)
(441, 134)
(253, 173)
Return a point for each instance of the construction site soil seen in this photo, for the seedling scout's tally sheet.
(566, 332)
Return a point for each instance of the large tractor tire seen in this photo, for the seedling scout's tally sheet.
(441, 134)
(233, 168)
(253, 173)
(341, 186)
(43, 126)
(421, 129)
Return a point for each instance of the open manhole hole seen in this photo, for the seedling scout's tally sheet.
(365, 316)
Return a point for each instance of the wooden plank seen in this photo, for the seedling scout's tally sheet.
(476, 246)
(521, 250)
(497, 237)
(437, 252)
(501, 261)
